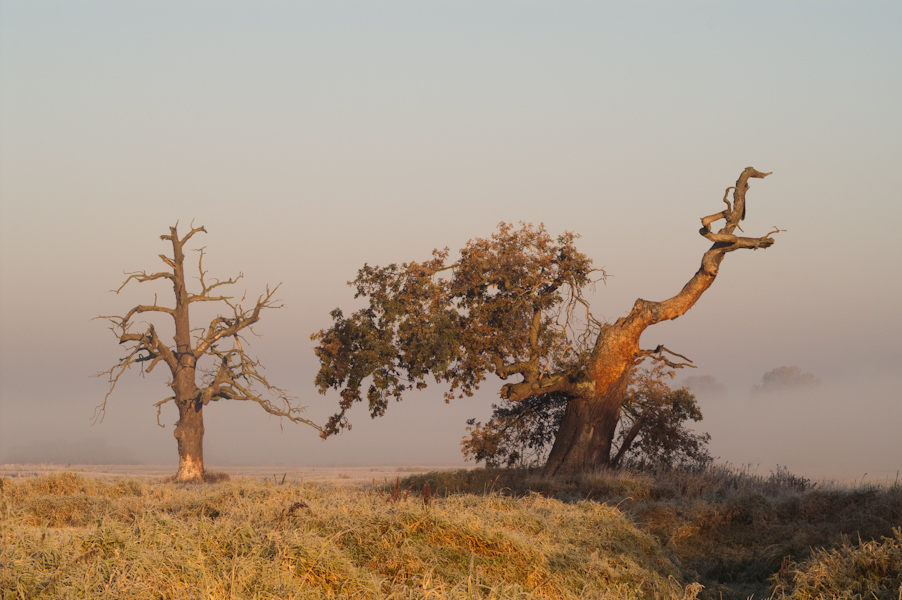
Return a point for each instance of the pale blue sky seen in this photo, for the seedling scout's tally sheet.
(310, 138)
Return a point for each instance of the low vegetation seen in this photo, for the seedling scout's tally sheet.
(70, 536)
(716, 533)
(739, 534)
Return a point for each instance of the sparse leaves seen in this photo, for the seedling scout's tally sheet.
(519, 434)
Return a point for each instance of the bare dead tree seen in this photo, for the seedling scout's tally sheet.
(234, 375)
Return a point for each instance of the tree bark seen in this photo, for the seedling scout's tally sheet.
(628, 440)
(583, 443)
(189, 432)
(189, 429)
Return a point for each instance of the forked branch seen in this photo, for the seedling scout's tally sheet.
(224, 327)
(658, 355)
(237, 375)
(143, 348)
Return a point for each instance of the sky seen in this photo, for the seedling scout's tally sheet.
(312, 138)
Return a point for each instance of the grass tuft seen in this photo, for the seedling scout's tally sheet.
(866, 570)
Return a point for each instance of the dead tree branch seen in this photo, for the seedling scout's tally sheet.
(237, 376)
(657, 355)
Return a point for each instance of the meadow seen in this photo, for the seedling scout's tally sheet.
(718, 533)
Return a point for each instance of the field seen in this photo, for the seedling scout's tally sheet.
(721, 533)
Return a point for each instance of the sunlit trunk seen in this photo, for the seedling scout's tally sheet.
(583, 442)
(189, 431)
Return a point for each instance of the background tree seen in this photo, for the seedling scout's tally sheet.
(231, 375)
(652, 431)
(783, 379)
(513, 306)
(705, 385)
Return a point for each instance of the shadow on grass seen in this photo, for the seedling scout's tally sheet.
(736, 532)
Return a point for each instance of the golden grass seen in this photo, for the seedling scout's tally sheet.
(77, 537)
(863, 571)
(454, 534)
(726, 528)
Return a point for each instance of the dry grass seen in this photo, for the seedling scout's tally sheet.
(454, 534)
(863, 571)
(77, 537)
(726, 528)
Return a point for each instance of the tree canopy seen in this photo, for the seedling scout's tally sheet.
(784, 379)
(510, 305)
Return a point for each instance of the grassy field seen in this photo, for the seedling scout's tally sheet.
(457, 534)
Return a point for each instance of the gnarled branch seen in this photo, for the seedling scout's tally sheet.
(222, 327)
(141, 277)
(657, 355)
(646, 313)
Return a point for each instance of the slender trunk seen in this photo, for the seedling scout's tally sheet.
(189, 432)
(628, 440)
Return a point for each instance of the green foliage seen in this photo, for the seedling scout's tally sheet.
(505, 307)
(659, 417)
(519, 434)
(652, 431)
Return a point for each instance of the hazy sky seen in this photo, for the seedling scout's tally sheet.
(311, 138)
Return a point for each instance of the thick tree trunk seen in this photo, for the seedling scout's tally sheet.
(189, 432)
(583, 443)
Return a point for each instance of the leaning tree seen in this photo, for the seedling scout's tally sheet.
(513, 306)
(231, 374)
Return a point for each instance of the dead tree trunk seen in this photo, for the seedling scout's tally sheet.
(189, 429)
(590, 422)
(189, 432)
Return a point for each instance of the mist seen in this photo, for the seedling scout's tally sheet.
(334, 136)
(840, 429)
